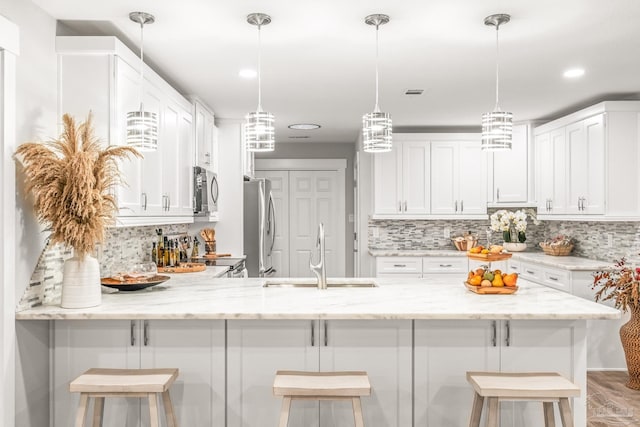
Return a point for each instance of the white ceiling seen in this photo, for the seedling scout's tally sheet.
(319, 56)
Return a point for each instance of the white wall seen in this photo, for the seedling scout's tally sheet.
(36, 112)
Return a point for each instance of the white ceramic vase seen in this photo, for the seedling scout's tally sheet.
(81, 283)
(514, 247)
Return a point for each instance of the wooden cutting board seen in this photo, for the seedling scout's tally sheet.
(189, 267)
(215, 255)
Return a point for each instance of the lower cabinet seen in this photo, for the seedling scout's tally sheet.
(257, 349)
(446, 350)
(195, 347)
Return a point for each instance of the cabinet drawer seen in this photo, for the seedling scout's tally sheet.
(531, 272)
(557, 279)
(399, 275)
(514, 267)
(386, 265)
(445, 265)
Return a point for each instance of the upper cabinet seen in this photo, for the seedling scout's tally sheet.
(586, 164)
(510, 172)
(99, 74)
(430, 175)
(206, 134)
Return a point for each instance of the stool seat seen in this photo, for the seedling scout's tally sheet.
(100, 383)
(529, 385)
(305, 385)
(545, 387)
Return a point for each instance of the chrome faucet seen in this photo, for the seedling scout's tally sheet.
(319, 269)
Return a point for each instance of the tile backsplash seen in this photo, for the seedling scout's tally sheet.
(122, 245)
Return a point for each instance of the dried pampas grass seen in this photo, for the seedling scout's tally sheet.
(70, 179)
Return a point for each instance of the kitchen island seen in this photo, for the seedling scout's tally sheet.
(415, 337)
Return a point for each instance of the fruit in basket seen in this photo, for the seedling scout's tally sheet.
(495, 249)
(488, 276)
(511, 279)
(497, 281)
(485, 283)
(476, 249)
(475, 280)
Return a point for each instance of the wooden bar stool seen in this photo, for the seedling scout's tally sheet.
(303, 385)
(545, 387)
(101, 383)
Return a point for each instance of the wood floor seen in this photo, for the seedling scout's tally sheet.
(609, 402)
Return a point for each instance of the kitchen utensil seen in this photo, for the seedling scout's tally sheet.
(133, 284)
(208, 234)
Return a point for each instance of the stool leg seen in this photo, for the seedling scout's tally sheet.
(476, 410)
(98, 411)
(549, 417)
(565, 412)
(284, 411)
(494, 412)
(168, 410)
(83, 407)
(153, 410)
(357, 412)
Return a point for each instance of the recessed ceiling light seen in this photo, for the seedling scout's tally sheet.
(248, 73)
(304, 126)
(574, 73)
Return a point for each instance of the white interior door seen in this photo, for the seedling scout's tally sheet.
(280, 192)
(316, 196)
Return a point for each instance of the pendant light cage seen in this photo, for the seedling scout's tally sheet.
(142, 126)
(377, 126)
(259, 128)
(497, 125)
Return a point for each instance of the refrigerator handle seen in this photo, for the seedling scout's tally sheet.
(272, 220)
(261, 269)
(214, 193)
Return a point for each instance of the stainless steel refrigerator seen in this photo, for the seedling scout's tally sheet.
(259, 227)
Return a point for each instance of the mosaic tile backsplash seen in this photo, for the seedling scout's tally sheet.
(123, 245)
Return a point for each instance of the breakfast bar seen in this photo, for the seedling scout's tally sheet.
(415, 337)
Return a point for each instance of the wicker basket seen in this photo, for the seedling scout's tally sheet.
(557, 250)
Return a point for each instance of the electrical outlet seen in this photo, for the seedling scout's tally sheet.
(447, 232)
(610, 240)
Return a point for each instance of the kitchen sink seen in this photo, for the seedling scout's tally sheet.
(311, 283)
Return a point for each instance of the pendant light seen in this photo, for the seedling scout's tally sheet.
(376, 126)
(142, 126)
(497, 126)
(259, 129)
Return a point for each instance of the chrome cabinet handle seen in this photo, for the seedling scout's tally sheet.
(498, 194)
(326, 334)
(399, 265)
(494, 334)
(313, 333)
(399, 206)
(461, 205)
(530, 272)
(208, 157)
(133, 333)
(145, 335)
(513, 267)
(507, 339)
(169, 202)
(456, 205)
(405, 205)
(550, 205)
(553, 278)
(446, 265)
(144, 203)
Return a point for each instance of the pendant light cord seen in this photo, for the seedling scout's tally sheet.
(259, 68)
(377, 108)
(497, 108)
(141, 64)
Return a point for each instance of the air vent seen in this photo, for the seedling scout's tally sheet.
(414, 91)
(299, 137)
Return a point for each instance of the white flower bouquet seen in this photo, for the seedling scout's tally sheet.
(512, 224)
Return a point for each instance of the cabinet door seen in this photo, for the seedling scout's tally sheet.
(472, 187)
(170, 147)
(152, 164)
(127, 98)
(79, 346)
(577, 164)
(595, 166)
(444, 177)
(204, 136)
(382, 349)
(255, 351)
(444, 352)
(511, 169)
(544, 172)
(415, 177)
(543, 346)
(184, 173)
(387, 179)
(197, 349)
(559, 159)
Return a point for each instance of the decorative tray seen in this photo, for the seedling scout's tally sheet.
(485, 290)
(215, 255)
(185, 267)
(490, 256)
(134, 283)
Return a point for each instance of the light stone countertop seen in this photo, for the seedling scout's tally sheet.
(565, 262)
(202, 296)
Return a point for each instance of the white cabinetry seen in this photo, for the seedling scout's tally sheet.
(510, 170)
(195, 347)
(401, 179)
(257, 349)
(458, 186)
(586, 164)
(417, 267)
(101, 75)
(446, 350)
(206, 135)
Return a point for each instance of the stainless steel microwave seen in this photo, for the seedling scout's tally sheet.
(205, 191)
